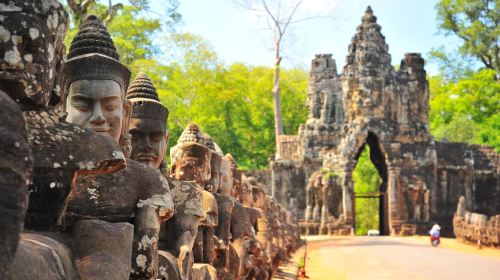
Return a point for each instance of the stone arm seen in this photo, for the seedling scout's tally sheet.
(149, 214)
(145, 245)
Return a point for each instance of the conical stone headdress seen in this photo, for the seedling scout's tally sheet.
(145, 101)
(93, 56)
(190, 134)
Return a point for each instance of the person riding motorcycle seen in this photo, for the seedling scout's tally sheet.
(435, 233)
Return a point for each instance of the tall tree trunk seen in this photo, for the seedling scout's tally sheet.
(278, 123)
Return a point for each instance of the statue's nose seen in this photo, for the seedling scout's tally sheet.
(147, 145)
(97, 116)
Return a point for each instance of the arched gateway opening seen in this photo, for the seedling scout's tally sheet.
(370, 205)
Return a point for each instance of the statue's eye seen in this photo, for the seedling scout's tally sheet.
(81, 104)
(156, 137)
(82, 107)
(135, 134)
(111, 107)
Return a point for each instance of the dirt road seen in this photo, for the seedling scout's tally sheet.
(364, 257)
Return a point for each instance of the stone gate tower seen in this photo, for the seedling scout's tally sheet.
(370, 103)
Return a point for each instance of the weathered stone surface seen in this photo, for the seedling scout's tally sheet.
(123, 197)
(474, 227)
(15, 172)
(102, 249)
(177, 235)
(168, 267)
(42, 257)
(32, 50)
(61, 151)
(204, 271)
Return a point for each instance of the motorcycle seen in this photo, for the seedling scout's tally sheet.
(435, 240)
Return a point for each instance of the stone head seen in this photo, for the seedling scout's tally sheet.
(236, 188)
(148, 122)
(226, 171)
(32, 50)
(215, 163)
(94, 82)
(191, 162)
(215, 172)
(259, 198)
(193, 143)
(246, 195)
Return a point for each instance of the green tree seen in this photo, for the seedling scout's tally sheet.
(231, 103)
(467, 110)
(131, 31)
(476, 23)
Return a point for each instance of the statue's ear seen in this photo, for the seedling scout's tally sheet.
(126, 114)
(167, 137)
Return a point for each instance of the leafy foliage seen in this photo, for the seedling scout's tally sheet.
(132, 33)
(467, 110)
(231, 103)
(476, 23)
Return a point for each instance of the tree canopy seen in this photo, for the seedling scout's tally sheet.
(476, 23)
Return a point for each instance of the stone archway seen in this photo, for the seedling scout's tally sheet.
(378, 159)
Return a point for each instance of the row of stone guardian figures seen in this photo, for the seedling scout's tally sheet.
(85, 192)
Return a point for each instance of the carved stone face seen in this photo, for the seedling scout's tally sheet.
(259, 198)
(236, 189)
(97, 105)
(226, 172)
(215, 179)
(246, 194)
(191, 162)
(31, 49)
(149, 141)
(190, 169)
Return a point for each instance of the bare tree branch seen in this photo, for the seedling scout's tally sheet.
(291, 15)
(270, 14)
(86, 4)
(74, 6)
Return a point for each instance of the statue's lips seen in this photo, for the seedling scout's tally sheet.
(100, 129)
(145, 157)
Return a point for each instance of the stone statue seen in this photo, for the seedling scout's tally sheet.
(224, 262)
(313, 197)
(328, 181)
(461, 209)
(191, 161)
(148, 128)
(148, 124)
(262, 229)
(177, 235)
(94, 83)
(31, 60)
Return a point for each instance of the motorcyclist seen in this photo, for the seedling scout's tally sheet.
(435, 233)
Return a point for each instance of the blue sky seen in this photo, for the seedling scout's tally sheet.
(234, 33)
